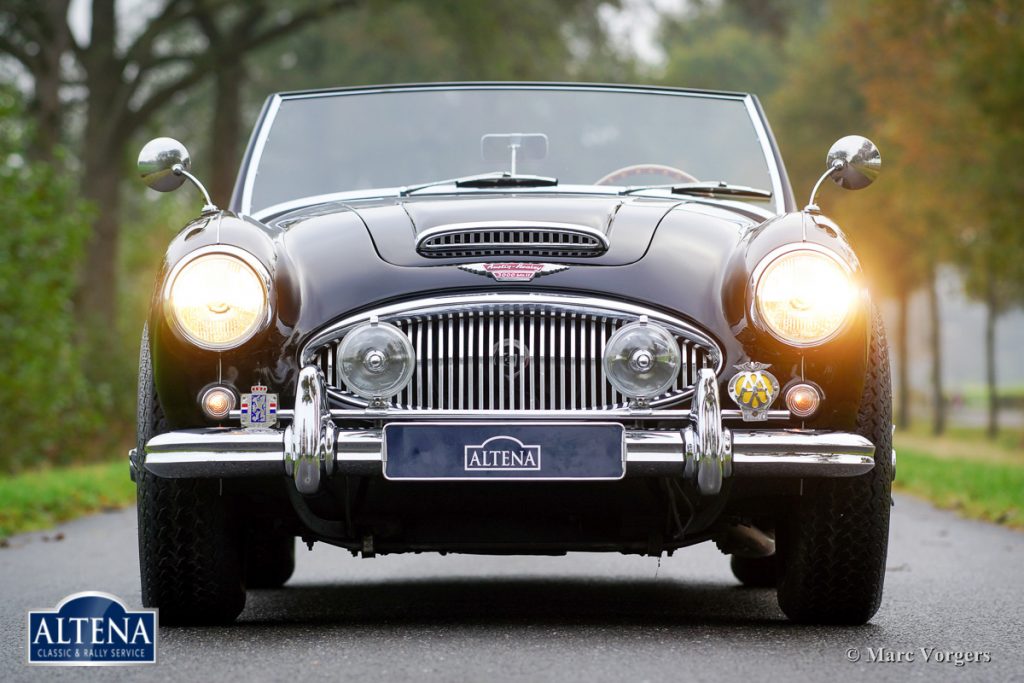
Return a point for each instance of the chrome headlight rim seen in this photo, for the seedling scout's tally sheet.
(254, 264)
(770, 258)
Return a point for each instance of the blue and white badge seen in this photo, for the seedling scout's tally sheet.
(258, 408)
(91, 629)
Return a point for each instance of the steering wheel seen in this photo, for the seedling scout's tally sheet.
(621, 176)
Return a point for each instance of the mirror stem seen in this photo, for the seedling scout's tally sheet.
(210, 207)
(812, 207)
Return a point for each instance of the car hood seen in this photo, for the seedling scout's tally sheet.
(665, 253)
(626, 224)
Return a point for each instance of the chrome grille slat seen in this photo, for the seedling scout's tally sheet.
(430, 355)
(501, 375)
(572, 359)
(492, 398)
(561, 361)
(553, 358)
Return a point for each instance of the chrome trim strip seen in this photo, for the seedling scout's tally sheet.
(769, 156)
(257, 153)
(219, 452)
(216, 440)
(626, 414)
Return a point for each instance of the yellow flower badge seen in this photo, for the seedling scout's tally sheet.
(753, 389)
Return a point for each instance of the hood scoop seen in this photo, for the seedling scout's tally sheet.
(511, 238)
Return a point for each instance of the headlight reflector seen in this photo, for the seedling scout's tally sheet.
(804, 296)
(641, 360)
(217, 300)
(376, 360)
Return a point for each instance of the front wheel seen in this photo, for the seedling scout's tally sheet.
(190, 558)
(833, 548)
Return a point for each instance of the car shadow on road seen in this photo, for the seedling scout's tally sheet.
(506, 601)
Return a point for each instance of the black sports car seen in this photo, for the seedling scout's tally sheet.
(512, 319)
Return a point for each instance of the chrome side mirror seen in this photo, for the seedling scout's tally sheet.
(164, 165)
(853, 163)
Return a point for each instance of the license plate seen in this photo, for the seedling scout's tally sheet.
(505, 451)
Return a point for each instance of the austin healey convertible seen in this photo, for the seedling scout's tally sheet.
(508, 318)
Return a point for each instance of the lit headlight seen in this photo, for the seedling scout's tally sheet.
(804, 296)
(376, 360)
(218, 300)
(641, 360)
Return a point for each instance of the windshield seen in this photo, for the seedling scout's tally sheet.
(326, 143)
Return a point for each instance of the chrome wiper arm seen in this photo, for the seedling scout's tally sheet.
(500, 179)
(712, 189)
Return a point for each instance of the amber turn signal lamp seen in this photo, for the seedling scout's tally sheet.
(803, 399)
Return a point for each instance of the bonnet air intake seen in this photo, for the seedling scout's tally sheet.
(511, 238)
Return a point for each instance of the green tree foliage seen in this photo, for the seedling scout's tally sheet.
(938, 84)
(181, 67)
(45, 399)
(743, 45)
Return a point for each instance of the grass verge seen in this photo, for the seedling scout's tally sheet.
(36, 500)
(977, 478)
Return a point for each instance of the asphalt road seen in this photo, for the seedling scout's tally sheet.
(952, 585)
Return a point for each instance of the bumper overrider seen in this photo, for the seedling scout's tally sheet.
(316, 444)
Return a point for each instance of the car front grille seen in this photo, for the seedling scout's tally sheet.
(512, 240)
(508, 352)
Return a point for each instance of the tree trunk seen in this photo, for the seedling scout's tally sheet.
(991, 315)
(227, 122)
(903, 360)
(46, 106)
(103, 144)
(935, 341)
(97, 285)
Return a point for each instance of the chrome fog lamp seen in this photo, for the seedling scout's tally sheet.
(376, 360)
(641, 360)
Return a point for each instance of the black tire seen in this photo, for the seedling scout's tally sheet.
(832, 550)
(755, 572)
(190, 559)
(269, 560)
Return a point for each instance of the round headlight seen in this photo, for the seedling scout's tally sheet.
(804, 296)
(641, 360)
(376, 360)
(218, 300)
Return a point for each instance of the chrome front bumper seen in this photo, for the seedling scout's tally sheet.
(313, 446)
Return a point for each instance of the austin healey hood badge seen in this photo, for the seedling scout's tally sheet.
(753, 389)
(513, 272)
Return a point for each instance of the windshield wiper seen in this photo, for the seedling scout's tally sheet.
(484, 180)
(711, 189)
